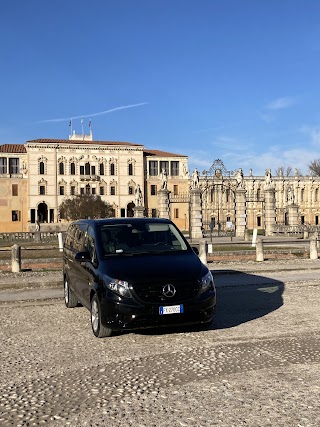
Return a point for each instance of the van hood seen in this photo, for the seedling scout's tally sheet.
(155, 267)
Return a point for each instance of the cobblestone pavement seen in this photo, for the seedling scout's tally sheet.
(259, 365)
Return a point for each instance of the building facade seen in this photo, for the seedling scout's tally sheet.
(37, 176)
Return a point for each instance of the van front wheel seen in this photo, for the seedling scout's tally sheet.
(98, 329)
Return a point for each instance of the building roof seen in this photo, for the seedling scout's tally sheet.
(81, 141)
(13, 148)
(160, 153)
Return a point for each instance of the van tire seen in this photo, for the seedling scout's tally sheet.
(98, 329)
(70, 299)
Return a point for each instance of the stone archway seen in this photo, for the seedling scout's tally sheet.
(130, 209)
(42, 213)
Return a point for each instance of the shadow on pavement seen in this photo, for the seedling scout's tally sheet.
(243, 297)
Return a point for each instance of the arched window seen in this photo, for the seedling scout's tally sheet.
(88, 189)
(61, 168)
(101, 169)
(72, 168)
(41, 168)
(87, 169)
(112, 169)
(302, 194)
(316, 195)
(130, 169)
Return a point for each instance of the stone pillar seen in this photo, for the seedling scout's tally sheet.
(164, 203)
(203, 252)
(293, 215)
(241, 216)
(138, 212)
(195, 214)
(313, 248)
(16, 259)
(269, 210)
(259, 250)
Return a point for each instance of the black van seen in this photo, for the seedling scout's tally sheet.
(135, 273)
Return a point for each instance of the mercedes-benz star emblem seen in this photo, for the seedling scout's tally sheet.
(169, 290)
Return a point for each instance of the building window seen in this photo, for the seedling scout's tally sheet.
(88, 189)
(130, 190)
(101, 191)
(15, 215)
(101, 169)
(87, 169)
(72, 190)
(72, 168)
(93, 170)
(14, 166)
(61, 168)
(61, 190)
(316, 193)
(112, 169)
(3, 165)
(175, 190)
(130, 169)
(81, 190)
(302, 195)
(41, 168)
(175, 168)
(42, 190)
(154, 213)
(15, 189)
(153, 168)
(302, 219)
(113, 190)
(82, 170)
(153, 190)
(316, 220)
(227, 195)
(176, 213)
(258, 221)
(93, 190)
(164, 165)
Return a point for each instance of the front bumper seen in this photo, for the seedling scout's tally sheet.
(129, 314)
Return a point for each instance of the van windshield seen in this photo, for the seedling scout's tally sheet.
(141, 238)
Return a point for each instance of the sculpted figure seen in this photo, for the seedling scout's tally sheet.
(164, 178)
(267, 177)
(195, 179)
(138, 195)
(239, 177)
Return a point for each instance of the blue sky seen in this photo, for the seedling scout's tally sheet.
(236, 80)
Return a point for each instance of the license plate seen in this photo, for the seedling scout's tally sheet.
(171, 309)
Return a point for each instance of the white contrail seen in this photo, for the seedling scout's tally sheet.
(94, 114)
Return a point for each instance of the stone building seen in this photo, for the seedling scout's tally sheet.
(231, 200)
(37, 176)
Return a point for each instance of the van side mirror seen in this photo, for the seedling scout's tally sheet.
(195, 250)
(82, 256)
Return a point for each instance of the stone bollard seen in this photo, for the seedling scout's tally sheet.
(16, 259)
(259, 250)
(60, 241)
(313, 248)
(246, 235)
(203, 252)
(306, 234)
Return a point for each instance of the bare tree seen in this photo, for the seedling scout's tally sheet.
(282, 171)
(85, 206)
(314, 167)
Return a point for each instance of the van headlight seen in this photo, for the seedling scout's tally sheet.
(120, 287)
(206, 282)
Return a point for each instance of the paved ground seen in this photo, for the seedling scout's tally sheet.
(259, 365)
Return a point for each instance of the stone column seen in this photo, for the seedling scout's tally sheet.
(164, 203)
(293, 215)
(195, 214)
(241, 215)
(138, 212)
(269, 210)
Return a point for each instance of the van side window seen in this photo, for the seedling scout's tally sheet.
(90, 245)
